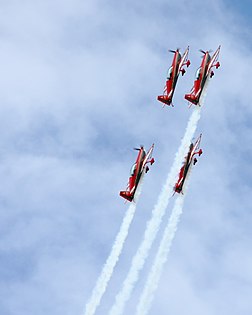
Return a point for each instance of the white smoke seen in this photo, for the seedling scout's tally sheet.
(113, 258)
(157, 215)
(160, 259)
(165, 244)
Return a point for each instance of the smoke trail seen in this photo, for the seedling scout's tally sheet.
(165, 244)
(161, 257)
(157, 215)
(110, 264)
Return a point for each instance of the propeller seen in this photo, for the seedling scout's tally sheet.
(174, 51)
(204, 52)
(138, 149)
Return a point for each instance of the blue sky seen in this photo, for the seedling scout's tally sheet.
(242, 9)
(79, 82)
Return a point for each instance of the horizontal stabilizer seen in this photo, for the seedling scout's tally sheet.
(164, 99)
(127, 195)
(191, 98)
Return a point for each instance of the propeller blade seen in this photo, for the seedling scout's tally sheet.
(172, 51)
(138, 149)
(203, 52)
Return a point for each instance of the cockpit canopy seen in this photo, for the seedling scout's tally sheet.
(169, 73)
(198, 72)
(133, 169)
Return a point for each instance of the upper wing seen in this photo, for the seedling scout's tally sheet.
(148, 156)
(213, 61)
(184, 59)
(195, 147)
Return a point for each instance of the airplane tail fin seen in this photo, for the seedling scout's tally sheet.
(164, 99)
(191, 98)
(127, 195)
(177, 189)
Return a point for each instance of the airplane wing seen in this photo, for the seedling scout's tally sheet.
(196, 146)
(213, 61)
(184, 59)
(148, 156)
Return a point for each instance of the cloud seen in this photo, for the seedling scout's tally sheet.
(78, 91)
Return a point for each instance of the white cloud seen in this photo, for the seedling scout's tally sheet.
(78, 91)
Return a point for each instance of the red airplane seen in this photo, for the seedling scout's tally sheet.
(137, 171)
(202, 74)
(189, 160)
(173, 74)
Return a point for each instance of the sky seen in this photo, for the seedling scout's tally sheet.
(78, 87)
